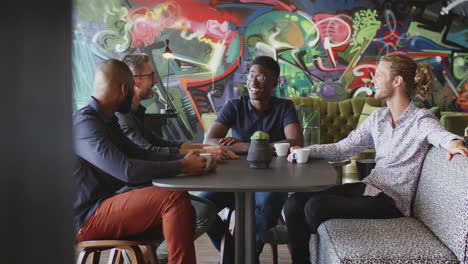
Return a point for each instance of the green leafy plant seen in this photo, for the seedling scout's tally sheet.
(260, 135)
(306, 119)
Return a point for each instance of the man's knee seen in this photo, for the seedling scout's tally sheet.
(159, 193)
(205, 212)
(269, 201)
(295, 204)
(314, 210)
(220, 200)
(179, 196)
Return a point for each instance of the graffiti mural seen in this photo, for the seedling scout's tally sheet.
(326, 49)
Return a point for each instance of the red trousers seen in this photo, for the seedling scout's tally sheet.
(141, 213)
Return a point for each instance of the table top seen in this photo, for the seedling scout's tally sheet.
(235, 175)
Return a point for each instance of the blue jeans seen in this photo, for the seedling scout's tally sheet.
(268, 206)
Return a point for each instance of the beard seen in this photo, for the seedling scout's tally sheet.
(382, 94)
(149, 94)
(126, 105)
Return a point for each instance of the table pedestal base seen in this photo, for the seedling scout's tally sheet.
(244, 236)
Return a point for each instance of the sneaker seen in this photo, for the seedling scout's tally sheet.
(276, 235)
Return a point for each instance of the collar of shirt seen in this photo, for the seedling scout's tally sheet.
(407, 113)
(134, 108)
(95, 105)
(140, 111)
(404, 116)
(269, 106)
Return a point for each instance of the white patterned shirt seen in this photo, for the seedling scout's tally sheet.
(400, 151)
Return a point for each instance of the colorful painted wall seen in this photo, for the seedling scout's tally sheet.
(326, 49)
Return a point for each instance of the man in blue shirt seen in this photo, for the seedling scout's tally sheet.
(115, 197)
(259, 111)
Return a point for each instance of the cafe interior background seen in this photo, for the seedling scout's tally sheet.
(326, 49)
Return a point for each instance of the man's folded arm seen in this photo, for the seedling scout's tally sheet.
(154, 144)
(215, 133)
(357, 141)
(293, 135)
(219, 131)
(91, 142)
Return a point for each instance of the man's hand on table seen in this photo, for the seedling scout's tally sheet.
(234, 144)
(193, 164)
(291, 156)
(456, 147)
(228, 141)
(219, 153)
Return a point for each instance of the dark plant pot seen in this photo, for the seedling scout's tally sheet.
(260, 154)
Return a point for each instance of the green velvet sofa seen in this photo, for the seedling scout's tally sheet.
(337, 119)
(455, 122)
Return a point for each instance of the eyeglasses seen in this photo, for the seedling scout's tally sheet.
(259, 78)
(151, 74)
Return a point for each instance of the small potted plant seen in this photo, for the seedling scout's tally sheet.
(260, 153)
(310, 122)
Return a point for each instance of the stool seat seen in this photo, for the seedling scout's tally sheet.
(93, 248)
(107, 243)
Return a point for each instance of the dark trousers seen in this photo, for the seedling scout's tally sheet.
(306, 211)
(268, 207)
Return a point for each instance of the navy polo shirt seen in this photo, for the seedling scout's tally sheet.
(240, 116)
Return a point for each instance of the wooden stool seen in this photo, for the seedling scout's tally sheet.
(93, 250)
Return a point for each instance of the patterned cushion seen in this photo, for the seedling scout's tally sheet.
(400, 240)
(441, 200)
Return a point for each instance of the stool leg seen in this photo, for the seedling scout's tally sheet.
(274, 250)
(83, 256)
(135, 254)
(227, 222)
(95, 256)
(150, 253)
(115, 256)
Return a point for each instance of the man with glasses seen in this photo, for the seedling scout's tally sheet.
(132, 124)
(259, 111)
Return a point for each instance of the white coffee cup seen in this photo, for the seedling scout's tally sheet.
(207, 157)
(281, 149)
(301, 155)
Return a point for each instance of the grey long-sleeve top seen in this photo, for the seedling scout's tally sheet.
(132, 123)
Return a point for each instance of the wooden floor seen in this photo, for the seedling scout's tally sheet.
(207, 254)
